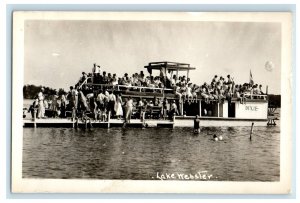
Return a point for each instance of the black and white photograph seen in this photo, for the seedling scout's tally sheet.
(157, 102)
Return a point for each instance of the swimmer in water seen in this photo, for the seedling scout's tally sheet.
(216, 138)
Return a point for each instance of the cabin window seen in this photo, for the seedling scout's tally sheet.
(191, 108)
(209, 109)
(231, 109)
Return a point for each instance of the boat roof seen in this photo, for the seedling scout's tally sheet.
(169, 66)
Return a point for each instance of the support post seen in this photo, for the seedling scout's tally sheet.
(218, 104)
(181, 108)
(34, 117)
(251, 131)
(108, 119)
(200, 107)
(267, 89)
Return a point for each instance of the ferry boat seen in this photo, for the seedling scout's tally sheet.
(211, 113)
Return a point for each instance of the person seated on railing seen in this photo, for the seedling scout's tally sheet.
(188, 80)
(104, 78)
(215, 79)
(109, 79)
(188, 92)
(141, 78)
(229, 81)
(183, 90)
(256, 91)
(215, 95)
(97, 78)
(128, 81)
(151, 82)
(221, 80)
(178, 91)
(161, 84)
(114, 80)
(90, 76)
(204, 93)
(173, 81)
(260, 90)
(157, 81)
(247, 90)
(125, 76)
(195, 91)
(82, 78)
(238, 94)
(136, 80)
(183, 80)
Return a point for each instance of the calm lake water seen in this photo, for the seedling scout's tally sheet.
(140, 154)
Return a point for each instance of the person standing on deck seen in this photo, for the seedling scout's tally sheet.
(96, 72)
(129, 107)
(111, 103)
(100, 100)
(197, 124)
(63, 104)
(74, 101)
(173, 110)
(118, 106)
(54, 104)
(165, 108)
(41, 108)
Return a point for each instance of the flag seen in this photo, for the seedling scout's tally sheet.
(251, 82)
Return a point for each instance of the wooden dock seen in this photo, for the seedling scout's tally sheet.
(178, 121)
(68, 123)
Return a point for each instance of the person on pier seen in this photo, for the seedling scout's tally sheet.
(41, 107)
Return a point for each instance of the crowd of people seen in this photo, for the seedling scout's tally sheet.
(218, 89)
(100, 103)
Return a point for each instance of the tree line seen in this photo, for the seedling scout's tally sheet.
(31, 91)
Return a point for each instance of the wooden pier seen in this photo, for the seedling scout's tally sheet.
(68, 123)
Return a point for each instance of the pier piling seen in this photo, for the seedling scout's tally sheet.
(251, 131)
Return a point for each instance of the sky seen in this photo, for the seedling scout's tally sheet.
(56, 52)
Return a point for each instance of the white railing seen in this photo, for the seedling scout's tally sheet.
(84, 82)
(161, 90)
(252, 96)
(128, 87)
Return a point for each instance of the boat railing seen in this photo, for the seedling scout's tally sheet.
(255, 96)
(84, 82)
(159, 90)
(129, 87)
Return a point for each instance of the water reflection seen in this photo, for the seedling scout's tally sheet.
(121, 153)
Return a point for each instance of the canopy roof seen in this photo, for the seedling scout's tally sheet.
(169, 66)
